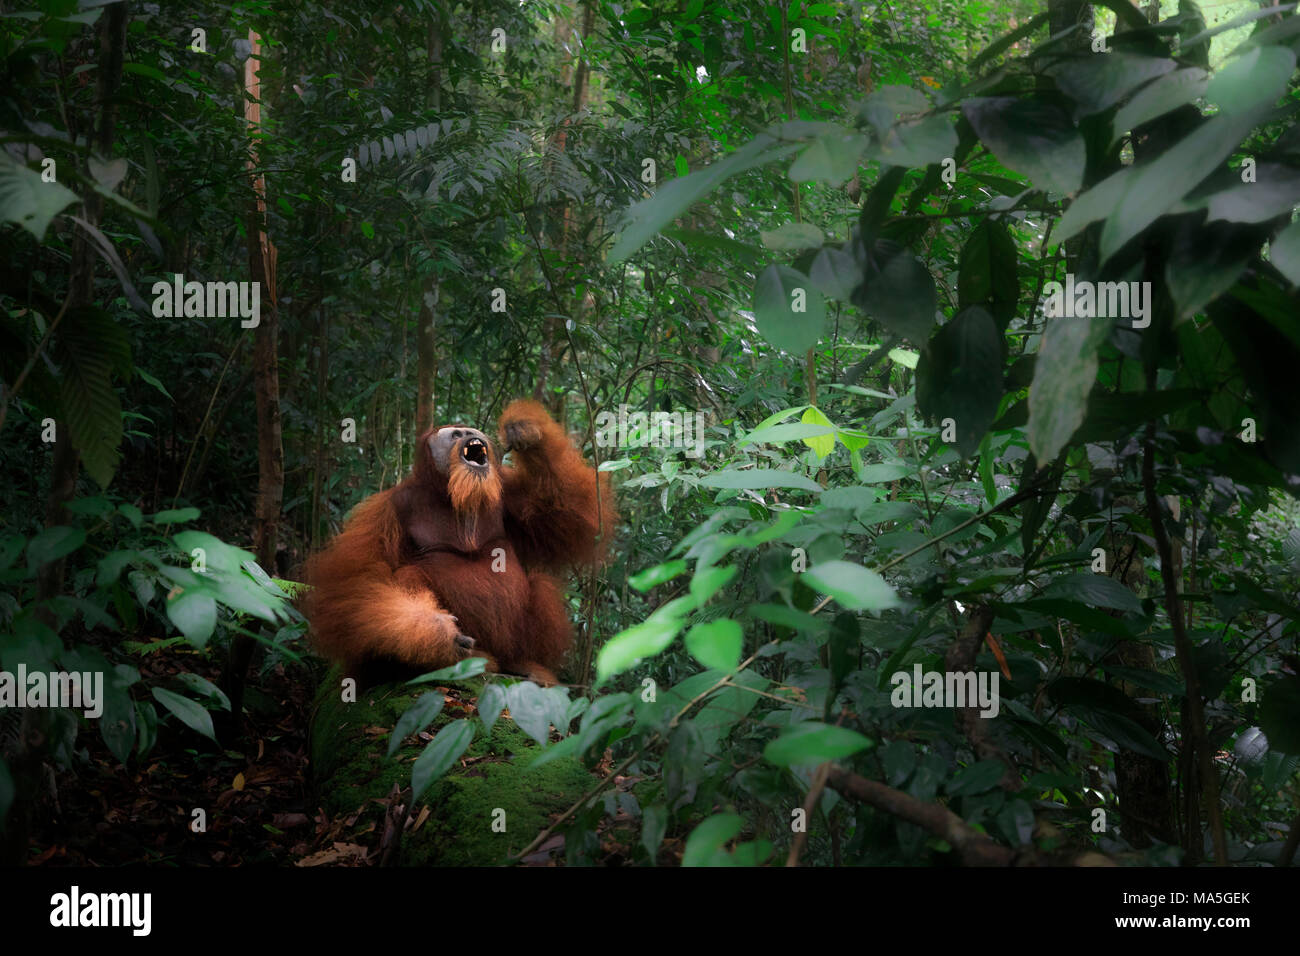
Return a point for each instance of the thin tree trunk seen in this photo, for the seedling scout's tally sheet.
(266, 381)
(426, 340)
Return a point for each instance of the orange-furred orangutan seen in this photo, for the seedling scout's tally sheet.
(454, 560)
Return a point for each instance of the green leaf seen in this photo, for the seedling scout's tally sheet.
(987, 272)
(788, 309)
(835, 273)
(1273, 193)
(977, 778)
(440, 755)
(1164, 95)
(194, 614)
(1099, 202)
(1063, 376)
(716, 644)
(1279, 715)
(91, 347)
(1030, 136)
(1124, 731)
(792, 431)
(27, 201)
(671, 199)
(1095, 590)
(1284, 253)
(1153, 189)
(175, 516)
(883, 107)
(415, 718)
(792, 236)
(462, 670)
(528, 708)
(912, 145)
(625, 649)
(812, 742)
(886, 471)
(491, 701)
(1237, 21)
(758, 478)
(852, 585)
(1205, 263)
(831, 159)
(1097, 83)
(1255, 79)
(823, 445)
(191, 714)
(708, 581)
(897, 291)
(54, 543)
(653, 577)
(960, 376)
(704, 847)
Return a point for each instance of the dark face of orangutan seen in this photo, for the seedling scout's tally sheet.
(464, 457)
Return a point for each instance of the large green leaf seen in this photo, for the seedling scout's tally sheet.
(27, 201)
(625, 649)
(440, 755)
(716, 644)
(897, 291)
(1204, 263)
(835, 273)
(194, 613)
(1253, 80)
(671, 199)
(852, 585)
(960, 376)
(1153, 189)
(758, 478)
(1097, 83)
(831, 158)
(1095, 590)
(528, 709)
(704, 847)
(193, 715)
(1167, 93)
(932, 140)
(91, 347)
(1031, 136)
(53, 543)
(1284, 252)
(823, 444)
(788, 309)
(1063, 376)
(987, 272)
(883, 107)
(415, 718)
(792, 236)
(812, 742)
(1098, 202)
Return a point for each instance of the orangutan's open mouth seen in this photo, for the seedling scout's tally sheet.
(475, 452)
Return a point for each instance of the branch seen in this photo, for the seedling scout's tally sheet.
(1183, 646)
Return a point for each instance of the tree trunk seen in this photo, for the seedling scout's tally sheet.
(266, 381)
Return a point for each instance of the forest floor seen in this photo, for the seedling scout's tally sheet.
(253, 793)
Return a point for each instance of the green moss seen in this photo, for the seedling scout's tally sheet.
(351, 766)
